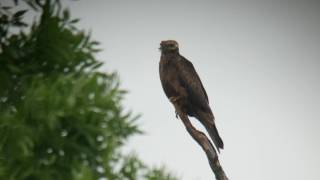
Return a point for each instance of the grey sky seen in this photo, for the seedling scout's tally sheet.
(259, 62)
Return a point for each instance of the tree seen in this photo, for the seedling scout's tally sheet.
(60, 118)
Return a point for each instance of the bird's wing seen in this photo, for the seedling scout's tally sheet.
(191, 81)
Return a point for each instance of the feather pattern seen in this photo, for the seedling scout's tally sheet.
(180, 80)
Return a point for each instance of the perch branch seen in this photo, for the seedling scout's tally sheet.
(204, 142)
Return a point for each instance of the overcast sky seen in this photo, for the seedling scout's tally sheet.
(259, 62)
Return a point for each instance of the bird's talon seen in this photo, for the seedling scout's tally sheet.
(174, 99)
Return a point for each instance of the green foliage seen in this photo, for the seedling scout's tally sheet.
(60, 118)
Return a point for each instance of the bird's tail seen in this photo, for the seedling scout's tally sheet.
(208, 121)
(215, 137)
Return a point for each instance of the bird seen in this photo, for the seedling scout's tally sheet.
(181, 84)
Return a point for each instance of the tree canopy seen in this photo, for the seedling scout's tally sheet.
(60, 117)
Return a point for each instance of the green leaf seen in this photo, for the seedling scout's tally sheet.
(66, 14)
(97, 65)
(14, 69)
(74, 21)
(19, 13)
(20, 24)
(6, 7)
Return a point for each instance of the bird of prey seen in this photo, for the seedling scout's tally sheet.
(182, 85)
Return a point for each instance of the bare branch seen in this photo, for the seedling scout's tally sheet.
(205, 144)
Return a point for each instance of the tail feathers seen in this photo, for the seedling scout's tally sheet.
(207, 119)
(213, 132)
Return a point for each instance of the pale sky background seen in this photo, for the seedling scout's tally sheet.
(259, 62)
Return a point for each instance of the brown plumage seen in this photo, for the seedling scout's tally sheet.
(182, 85)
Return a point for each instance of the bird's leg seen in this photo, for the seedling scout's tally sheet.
(174, 101)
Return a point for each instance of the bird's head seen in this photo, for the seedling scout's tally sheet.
(169, 46)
